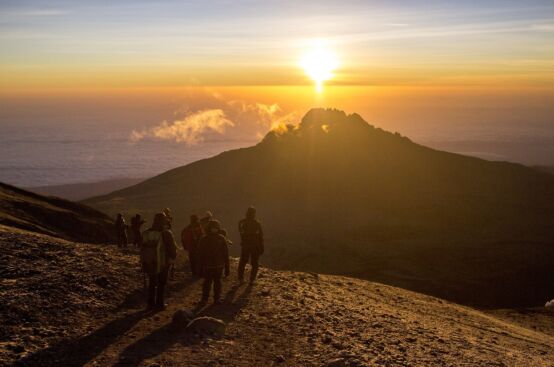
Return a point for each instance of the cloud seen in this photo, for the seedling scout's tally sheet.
(543, 27)
(190, 129)
(233, 119)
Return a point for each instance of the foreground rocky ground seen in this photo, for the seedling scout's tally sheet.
(66, 304)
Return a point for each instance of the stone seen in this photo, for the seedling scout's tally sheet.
(207, 325)
(181, 318)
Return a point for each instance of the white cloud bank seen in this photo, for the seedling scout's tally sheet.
(234, 119)
(189, 129)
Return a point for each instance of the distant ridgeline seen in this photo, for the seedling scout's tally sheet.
(53, 216)
(338, 195)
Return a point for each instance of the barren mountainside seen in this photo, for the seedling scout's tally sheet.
(68, 304)
(53, 216)
(340, 196)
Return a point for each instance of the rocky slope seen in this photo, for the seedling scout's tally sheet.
(53, 216)
(68, 304)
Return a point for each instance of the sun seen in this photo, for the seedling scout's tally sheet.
(319, 63)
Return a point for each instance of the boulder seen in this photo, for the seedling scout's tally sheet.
(181, 318)
(207, 325)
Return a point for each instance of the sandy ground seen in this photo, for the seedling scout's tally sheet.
(66, 304)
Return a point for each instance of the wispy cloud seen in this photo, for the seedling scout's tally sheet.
(32, 12)
(190, 129)
(234, 119)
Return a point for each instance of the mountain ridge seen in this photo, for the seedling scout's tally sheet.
(336, 188)
(53, 216)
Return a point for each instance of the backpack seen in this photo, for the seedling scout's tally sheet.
(150, 246)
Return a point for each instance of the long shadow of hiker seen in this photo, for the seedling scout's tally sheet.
(232, 305)
(80, 351)
(137, 297)
(163, 338)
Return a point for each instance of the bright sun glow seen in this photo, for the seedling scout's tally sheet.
(319, 64)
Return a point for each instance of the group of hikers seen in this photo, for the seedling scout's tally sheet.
(205, 242)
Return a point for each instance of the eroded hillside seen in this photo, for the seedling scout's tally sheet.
(53, 216)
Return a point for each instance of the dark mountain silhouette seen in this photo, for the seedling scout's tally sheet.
(53, 216)
(340, 196)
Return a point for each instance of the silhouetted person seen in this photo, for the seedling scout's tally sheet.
(223, 232)
(168, 224)
(136, 224)
(121, 231)
(168, 216)
(214, 260)
(252, 244)
(190, 238)
(157, 250)
(205, 220)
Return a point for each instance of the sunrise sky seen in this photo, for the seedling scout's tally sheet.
(132, 78)
(51, 44)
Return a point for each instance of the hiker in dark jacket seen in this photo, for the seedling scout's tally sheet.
(223, 232)
(157, 250)
(252, 244)
(214, 260)
(190, 238)
(168, 217)
(136, 223)
(168, 225)
(121, 231)
(205, 220)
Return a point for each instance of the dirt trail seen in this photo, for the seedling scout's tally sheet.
(288, 318)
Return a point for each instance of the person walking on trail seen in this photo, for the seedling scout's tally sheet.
(223, 232)
(136, 223)
(168, 225)
(157, 249)
(168, 217)
(121, 231)
(214, 261)
(252, 244)
(205, 220)
(190, 239)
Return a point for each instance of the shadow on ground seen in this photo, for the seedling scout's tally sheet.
(163, 338)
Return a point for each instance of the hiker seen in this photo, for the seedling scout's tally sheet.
(121, 231)
(223, 232)
(136, 223)
(168, 223)
(205, 220)
(157, 249)
(190, 238)
(214, 260)
(252, 244)
(169, 218)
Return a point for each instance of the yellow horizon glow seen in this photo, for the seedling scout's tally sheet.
(319, 63)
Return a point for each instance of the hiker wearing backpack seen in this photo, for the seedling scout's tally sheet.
(252, 244)
(157, 250)
(208, 216)
(214, 261)
(121, 231)
(136, 223)
(190, 239)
